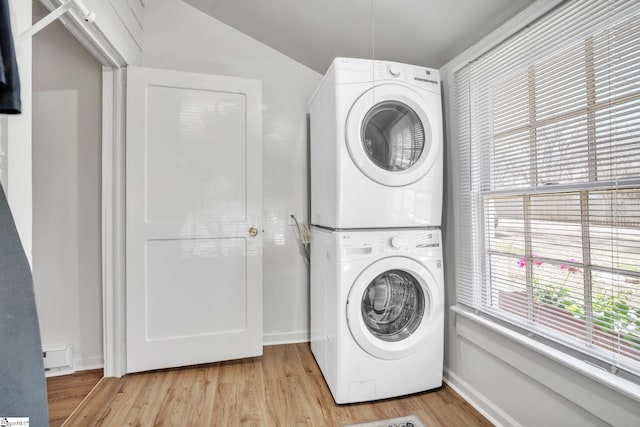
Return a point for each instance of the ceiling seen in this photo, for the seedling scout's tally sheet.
(313, 32)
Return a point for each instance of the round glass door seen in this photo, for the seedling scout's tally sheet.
(393, 136)
(393, 305)
(390, 307)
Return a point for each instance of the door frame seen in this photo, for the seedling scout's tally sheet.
(113, 221)
(113, 186)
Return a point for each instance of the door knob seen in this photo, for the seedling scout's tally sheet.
(253, 232)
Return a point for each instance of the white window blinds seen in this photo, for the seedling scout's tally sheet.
(547, 130)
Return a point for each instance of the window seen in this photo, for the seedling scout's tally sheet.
(548, 197)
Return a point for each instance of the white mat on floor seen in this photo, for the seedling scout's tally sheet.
(408, 421)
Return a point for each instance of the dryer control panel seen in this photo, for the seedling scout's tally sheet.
(354, 70)
(419, 76)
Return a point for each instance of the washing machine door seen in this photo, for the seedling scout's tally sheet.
(390, 305)
(392, 134)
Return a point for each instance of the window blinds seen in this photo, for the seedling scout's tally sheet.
(547, 130)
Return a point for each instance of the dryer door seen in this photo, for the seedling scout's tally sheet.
(392, 134)
(390, 306)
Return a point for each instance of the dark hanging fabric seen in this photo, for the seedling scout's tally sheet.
(23, 389)
(9, 79)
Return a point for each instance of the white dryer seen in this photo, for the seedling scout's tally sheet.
(377, 311)
(376, 146)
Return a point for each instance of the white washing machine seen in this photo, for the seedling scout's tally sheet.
(377, 311)
(376, 146)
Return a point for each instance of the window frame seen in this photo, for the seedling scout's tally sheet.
(480, 299)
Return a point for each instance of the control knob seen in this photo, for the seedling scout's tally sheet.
(394, 70)
(395, 242)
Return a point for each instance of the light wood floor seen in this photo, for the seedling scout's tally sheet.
(284, 388)
(66, 392)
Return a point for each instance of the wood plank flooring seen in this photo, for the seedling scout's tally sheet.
(284, 387)
(66, 392)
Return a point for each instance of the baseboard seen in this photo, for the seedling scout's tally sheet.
(285, 338)
(267, 339)
(90, 363)
(58, 372)
(476, 399)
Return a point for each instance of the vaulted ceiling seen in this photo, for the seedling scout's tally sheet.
(313, 32)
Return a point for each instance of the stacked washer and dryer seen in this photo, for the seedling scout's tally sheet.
(377, 292)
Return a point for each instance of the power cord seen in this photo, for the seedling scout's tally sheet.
(303, 235)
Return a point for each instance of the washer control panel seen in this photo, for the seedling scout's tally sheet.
(402, 241)
(354, 245)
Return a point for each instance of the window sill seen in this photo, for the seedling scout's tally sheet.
(588, 370)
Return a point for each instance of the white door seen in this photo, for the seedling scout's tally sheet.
(193, 223)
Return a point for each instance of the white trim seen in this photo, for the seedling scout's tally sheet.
(113, 221)
(476, 399)
(109, 336)
(502, 33)
(285, 338)
(65, 7)
(87, 364)
(58, 372)
(90, 36)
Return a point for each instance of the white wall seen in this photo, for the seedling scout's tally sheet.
(67, 99)
(15, 149)
(510, 382)
(178, 36)
(119, 24)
